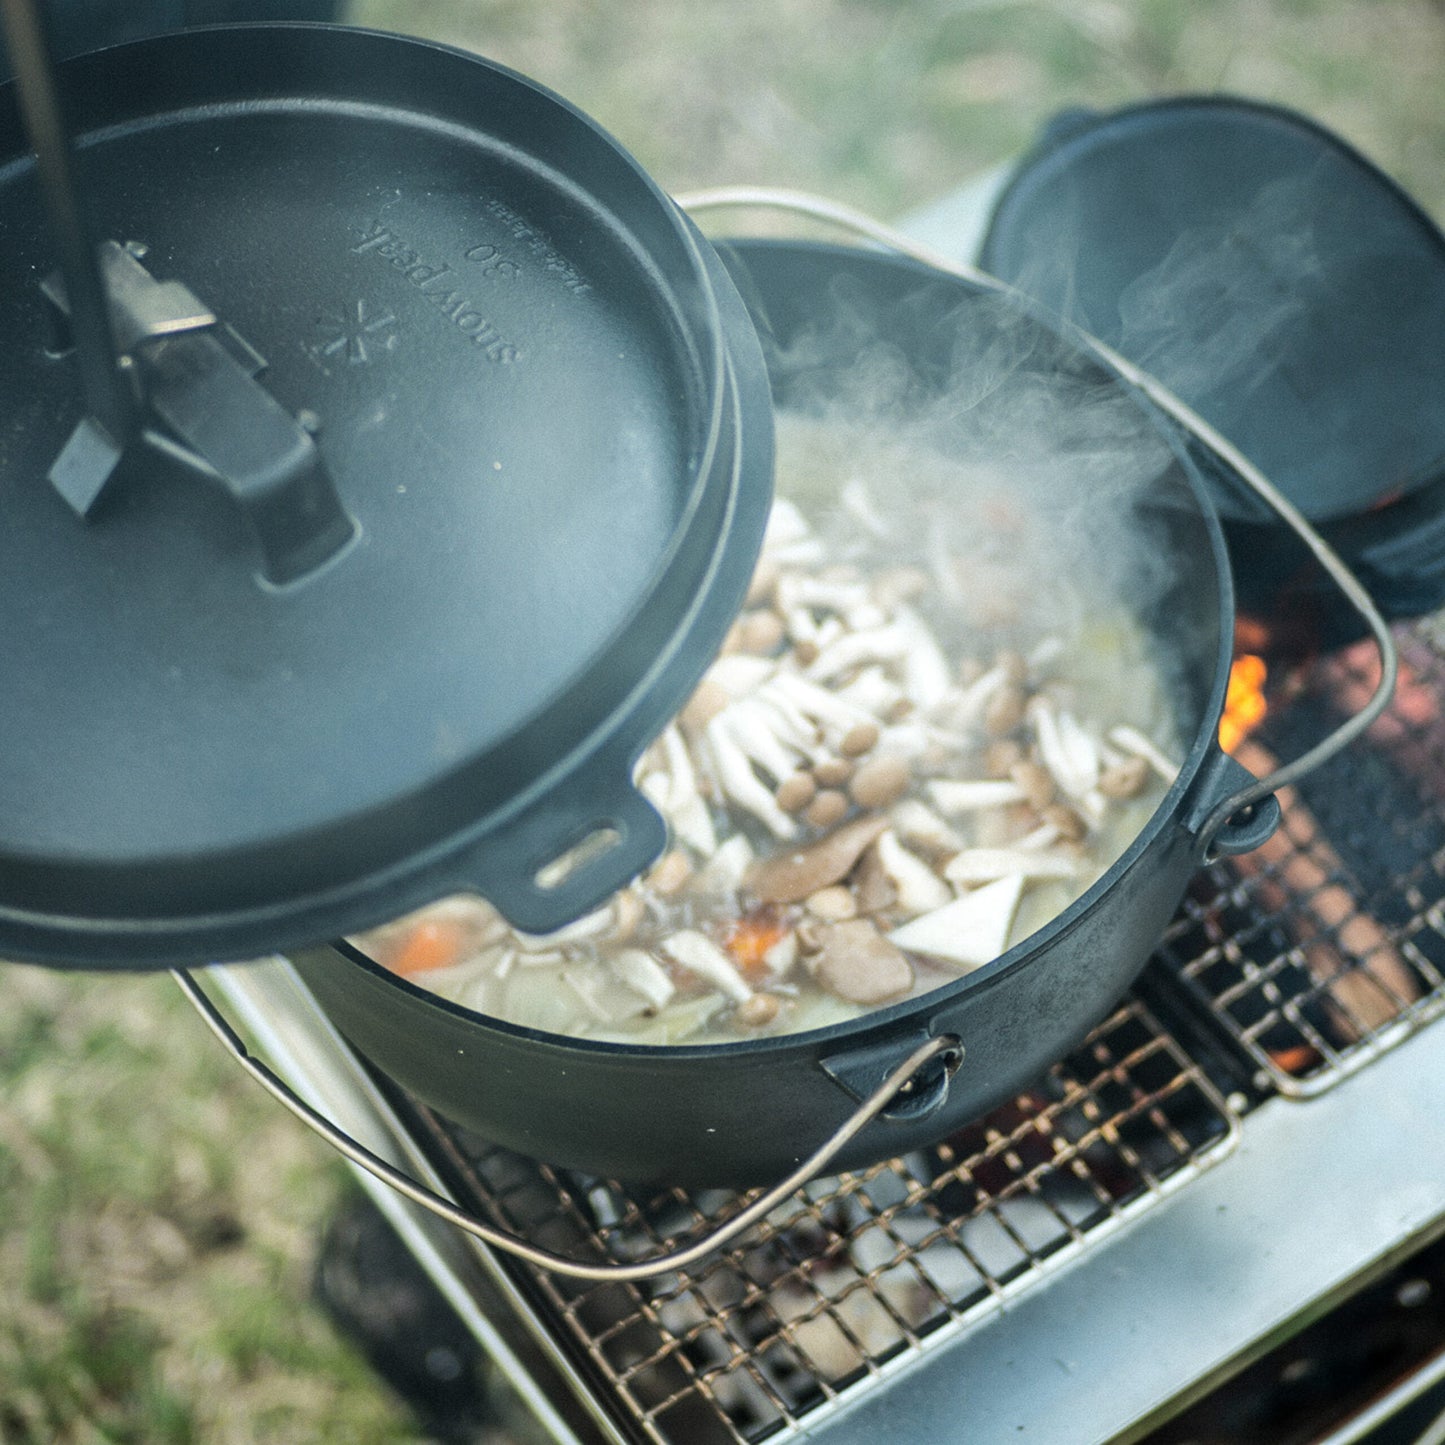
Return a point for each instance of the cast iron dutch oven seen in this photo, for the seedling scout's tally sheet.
(747, 1112)
(452, 461)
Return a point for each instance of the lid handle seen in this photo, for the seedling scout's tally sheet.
(108, 397)
(568, 854)
(197, 378)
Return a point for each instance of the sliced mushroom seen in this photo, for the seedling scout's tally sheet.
(917, 886)
(726, 869)
(1044, 836)
(966, 706)
(643, 974)
(700, 955)
(873, 889)
(952, 797)
(790, 876)
(920, 827)
(1131, 740)
(1035, 781)
(926, 672)
(857, 963)
(1065, 749)
(986, 865)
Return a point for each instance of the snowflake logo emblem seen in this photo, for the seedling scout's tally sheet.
(355, 334)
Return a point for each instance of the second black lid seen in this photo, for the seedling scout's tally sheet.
(1278, 282)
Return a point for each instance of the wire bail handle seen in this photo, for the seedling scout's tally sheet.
(944, 1047)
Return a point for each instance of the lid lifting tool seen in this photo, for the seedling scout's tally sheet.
(158, 369)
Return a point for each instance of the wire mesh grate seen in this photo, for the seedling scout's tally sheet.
(1307, 958)
(1327, 945)
(858, 1271)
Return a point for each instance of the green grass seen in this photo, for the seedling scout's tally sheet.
(160, 1220)
(158, 1215)
(886, 104)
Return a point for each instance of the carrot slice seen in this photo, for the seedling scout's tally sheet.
(748, 940)
(433, 943)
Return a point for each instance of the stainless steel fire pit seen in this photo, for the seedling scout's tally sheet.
(1248, 1140)
(1173, 1198)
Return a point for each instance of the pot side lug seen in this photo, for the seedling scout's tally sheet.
(1219, 779)
(860, 1071)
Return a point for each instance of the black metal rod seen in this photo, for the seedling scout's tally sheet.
(107, 394)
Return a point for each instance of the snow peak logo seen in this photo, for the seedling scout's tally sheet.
(440, 285)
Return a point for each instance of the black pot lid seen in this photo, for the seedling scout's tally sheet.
(525, 434)
(1276, 280)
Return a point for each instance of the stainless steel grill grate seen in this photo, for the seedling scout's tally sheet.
(1328, 945)
(858, 1271)
(1303, 961)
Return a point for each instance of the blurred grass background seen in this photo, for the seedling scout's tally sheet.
(158, 1215)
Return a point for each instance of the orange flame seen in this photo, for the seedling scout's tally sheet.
(1244, 703)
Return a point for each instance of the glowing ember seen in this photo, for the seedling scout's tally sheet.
(1244, 703)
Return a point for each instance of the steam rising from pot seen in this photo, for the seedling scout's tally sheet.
(1215, 310)
(1021, 475)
